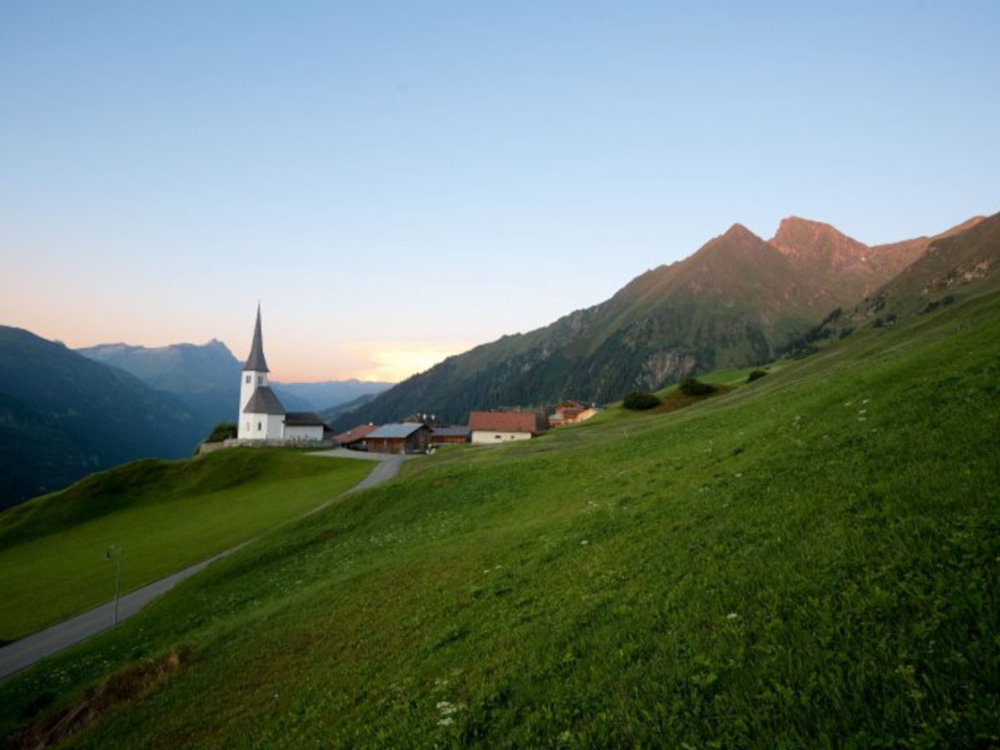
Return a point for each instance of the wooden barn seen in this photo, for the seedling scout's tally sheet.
(355, 438)
(400, 437)
(446, 434)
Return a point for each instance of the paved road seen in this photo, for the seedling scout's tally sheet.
(24, 652)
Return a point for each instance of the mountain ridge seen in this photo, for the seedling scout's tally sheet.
(736, 301)
(954, 262)
(63, 416)
(206, 377)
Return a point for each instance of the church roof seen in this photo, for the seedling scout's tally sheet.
(263, 401)
(256, 361)
(303, 419)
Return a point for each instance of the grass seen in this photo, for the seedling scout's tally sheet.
(165, 515)
(810, 560)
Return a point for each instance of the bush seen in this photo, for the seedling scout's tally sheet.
(640, 400)
(694, 387)
(222, 431)
(756, 375)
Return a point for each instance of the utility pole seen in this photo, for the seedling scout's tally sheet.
(115, 553)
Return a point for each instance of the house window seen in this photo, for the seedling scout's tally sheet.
(249, 378)
(260, 380)
(258, 427)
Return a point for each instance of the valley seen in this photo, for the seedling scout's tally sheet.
(808, 556)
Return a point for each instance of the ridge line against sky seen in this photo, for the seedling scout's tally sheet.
(397, 182)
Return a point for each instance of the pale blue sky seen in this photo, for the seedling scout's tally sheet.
(394, 179)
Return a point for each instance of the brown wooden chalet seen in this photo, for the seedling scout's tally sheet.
(446, 434)
(400, 437)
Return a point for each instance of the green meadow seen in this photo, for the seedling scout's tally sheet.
(164, 515)
(808, 560)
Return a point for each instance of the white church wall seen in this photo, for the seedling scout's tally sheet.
(303, 432)
(260, 427)
(273, 425)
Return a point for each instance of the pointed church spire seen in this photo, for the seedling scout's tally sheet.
(256, 361)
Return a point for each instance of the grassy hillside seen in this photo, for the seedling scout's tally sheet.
(165, 515)
(811, 560)
(960, 265)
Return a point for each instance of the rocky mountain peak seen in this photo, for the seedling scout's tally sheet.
(799, 237)
(739, 232)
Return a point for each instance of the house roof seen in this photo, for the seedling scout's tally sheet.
(263, 401)
(256, 361)
(303, 419)
(397, 430)
(507, 421)
(460, 430)
(355, 433)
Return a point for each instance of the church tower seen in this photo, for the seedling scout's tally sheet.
(261, 415)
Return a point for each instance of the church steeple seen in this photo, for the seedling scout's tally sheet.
(256, 362)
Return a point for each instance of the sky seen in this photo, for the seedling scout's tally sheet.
(395, 182)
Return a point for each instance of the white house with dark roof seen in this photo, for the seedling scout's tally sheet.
(262, 417)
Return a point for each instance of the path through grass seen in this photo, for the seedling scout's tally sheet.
(164, 515)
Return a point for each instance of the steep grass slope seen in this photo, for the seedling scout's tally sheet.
(811, 560)
(163, 514)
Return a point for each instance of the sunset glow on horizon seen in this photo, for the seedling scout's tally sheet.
(397, 185)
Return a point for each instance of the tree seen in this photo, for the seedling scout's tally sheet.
(222, 431)
(640, 400)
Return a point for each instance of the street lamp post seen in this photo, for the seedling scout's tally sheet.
(115, 553)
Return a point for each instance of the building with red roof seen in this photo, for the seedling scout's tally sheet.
(355, 438)
(504, 426)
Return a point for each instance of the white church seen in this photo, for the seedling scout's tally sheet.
(262, 417)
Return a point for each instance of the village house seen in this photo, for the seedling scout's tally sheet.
(565, 413)
(355, 438)
(447, 434)
(571, 412)
(399, 437)
(504, 426)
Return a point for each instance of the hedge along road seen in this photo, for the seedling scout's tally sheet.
(24, 652)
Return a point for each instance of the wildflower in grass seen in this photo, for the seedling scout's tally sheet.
(447, 708)
(732, 616)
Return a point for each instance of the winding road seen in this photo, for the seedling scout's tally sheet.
(24, 652)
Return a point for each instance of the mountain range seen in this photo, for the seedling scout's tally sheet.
(954, 263)
(63, 416)
(207, 379)
(737, 301)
